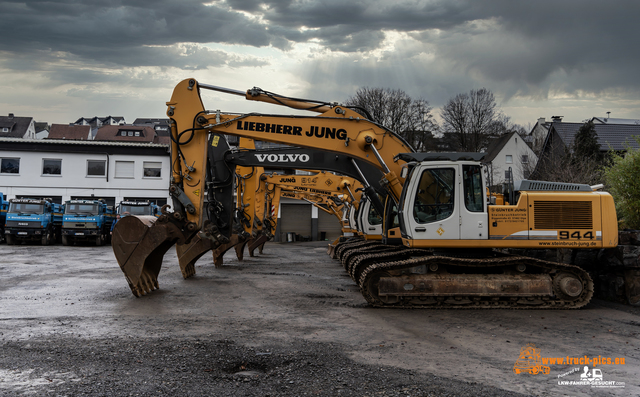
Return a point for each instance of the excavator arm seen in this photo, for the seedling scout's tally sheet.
(140, 244)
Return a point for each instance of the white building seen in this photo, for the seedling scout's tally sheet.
(64, 170)
(510, 157)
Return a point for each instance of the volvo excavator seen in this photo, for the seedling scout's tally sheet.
(245, 158)
(453, 238)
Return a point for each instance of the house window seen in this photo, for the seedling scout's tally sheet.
(137, 133)
(527, 174)
(123, 133)
(124, 169)
(525, 159)
(9, 166)
(96, 168)
(509, 159)
(51, 167)
(130, 133)
(507, 175)
(152, 169)
(5, 129)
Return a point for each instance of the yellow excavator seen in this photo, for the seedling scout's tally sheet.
(453, 238)
(257, 224)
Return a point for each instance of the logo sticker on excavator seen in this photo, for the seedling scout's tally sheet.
(440, 231)
(215, 140)
(197, 192)
(329, 182)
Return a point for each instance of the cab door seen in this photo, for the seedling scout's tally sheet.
(473, 204)
(430, 209)
(370, 220)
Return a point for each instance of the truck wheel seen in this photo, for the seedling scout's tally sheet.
(10, 239)
(46, 238)
(65, 240)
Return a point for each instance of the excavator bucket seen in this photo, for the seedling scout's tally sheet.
(189, 253)
(235, 241)
(139, 244)
(257, 243)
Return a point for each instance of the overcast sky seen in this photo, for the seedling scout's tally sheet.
(65, 59)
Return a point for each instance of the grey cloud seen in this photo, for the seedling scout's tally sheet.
(122, 24)
(518, 48)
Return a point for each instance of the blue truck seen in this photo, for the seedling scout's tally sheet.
(86, 221)
(33, 220)
(4, 206)
(130, 207)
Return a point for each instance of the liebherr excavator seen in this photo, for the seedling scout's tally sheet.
(452, 236)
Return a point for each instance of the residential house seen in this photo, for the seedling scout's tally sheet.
(539, 133)
(130, 133)
(73, 132)
(510, 159)
(17, 127)
(610, 137)
(97, 122)
(161, 126)
(42, 129)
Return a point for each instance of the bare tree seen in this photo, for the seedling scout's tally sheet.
(394, 109)
(472, 119)
(569, 169)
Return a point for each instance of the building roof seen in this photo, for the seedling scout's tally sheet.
(605, 120)
(143, 121)
(115, 133)
(496, 146)
(610, 136)
(42, 126)
(64, 131)
(17, 126)
(78, 146)
(94, 120)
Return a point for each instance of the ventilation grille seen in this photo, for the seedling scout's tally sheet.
(563, 215)
(543, 186)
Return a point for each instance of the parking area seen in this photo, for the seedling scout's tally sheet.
(287, 322)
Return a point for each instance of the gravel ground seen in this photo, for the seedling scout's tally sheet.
(199, 367)
(289, 322)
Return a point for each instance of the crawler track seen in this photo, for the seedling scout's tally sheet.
(566, 286)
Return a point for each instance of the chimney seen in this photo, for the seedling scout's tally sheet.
(541, 120)
(557, 119)
(10, 115)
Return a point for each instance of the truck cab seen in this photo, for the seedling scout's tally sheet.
(87, 221)
(138, 208)
(4, 206)
(34, 220)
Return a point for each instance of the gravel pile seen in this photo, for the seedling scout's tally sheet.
(171, 367)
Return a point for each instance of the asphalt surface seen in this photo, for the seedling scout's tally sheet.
(289, 322)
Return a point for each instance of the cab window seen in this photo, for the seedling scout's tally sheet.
(472, 181)
(434, 200)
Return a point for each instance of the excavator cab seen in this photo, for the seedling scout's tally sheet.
(444, 201)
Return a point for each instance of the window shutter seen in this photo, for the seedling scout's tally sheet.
(124, 169)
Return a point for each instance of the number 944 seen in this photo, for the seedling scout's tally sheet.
(564, 235)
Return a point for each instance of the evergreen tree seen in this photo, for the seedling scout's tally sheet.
(585, 144)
